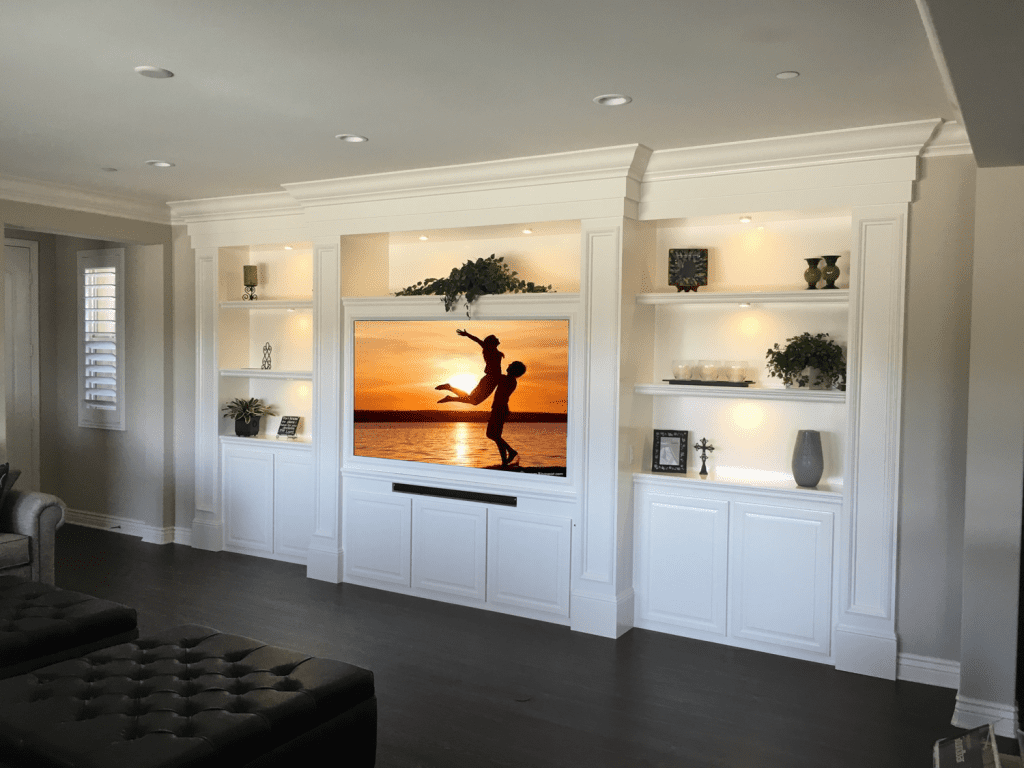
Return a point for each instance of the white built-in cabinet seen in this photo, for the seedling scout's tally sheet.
(484, 555)
(267, 498)
(749, 567)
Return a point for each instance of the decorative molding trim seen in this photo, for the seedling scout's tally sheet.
(325, 564)
(624, 161)
(256, 206)
(950, 139)
(865, 654)
(930, 671)
(605, 617)
(808, 149)
(34, 192)
(183, 535)
(970, 713)
(207, 533)
(126, 525)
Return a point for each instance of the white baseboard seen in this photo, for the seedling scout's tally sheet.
(865, 654)
(324, 565)
(930, 671)
(970, 713)
(148, 533)
(601, 616)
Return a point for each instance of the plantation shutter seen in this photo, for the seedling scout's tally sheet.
(101, 347)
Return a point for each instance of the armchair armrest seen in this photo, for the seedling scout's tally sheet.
(37, 515)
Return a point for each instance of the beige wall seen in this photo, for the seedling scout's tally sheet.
(995, 441)
(125, 474)
(935, 409)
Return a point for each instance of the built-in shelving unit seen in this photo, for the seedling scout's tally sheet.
(742, 393)
(267, 305)
(836, 296)
(256, 373)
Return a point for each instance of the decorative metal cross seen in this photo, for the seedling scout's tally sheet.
(705, 448)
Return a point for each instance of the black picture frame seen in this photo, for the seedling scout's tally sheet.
(669, 453)
(687, 268)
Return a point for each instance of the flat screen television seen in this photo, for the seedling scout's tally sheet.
(490, 394)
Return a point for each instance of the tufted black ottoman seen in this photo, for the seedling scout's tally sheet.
(40, 624)
(189, 696)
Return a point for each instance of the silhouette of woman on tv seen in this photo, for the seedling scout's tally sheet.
(500, 412)
(492, 373)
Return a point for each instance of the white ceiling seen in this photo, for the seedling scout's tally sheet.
(262, 87)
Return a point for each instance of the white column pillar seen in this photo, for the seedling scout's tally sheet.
(324, 561)
(865, 638)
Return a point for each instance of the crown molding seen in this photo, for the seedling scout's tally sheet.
(621, 162)
(260, 205)
(949, 139)
(33, 192)
(802, 150)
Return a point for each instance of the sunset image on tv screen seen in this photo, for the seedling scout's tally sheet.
(486, 394)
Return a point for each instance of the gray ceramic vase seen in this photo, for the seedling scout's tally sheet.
(808, 463)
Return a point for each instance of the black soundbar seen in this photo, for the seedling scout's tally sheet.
(451, 493)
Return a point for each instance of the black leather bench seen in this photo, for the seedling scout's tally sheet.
(190, 696)
(41, 624)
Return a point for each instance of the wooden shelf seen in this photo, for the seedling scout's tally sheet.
(269, 304)
(742, 393)
(783, 489)
(840, 296)
(257, 373)
(303, 443)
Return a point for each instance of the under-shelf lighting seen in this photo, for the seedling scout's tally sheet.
(287, 247)
(424, 237)
(527, 231)
(745, 304)
(745, 219)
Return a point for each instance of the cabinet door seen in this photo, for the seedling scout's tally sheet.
(449, 547)
(293, 505)
(781, 573)
(376, 530)
(682, 561)
(247, 498)
(528, 561)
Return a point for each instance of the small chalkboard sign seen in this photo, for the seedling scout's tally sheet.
(289, 424)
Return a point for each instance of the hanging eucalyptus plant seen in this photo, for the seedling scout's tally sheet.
(473, 280)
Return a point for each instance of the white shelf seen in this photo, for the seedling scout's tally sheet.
(692, 479)
(839, 296)
(742, 393)
(257, 373)
(269, 304)
(264, 441)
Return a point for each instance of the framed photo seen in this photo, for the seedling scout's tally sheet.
(669, 453)
(687, 268)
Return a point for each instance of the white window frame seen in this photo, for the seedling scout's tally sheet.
(90, 413)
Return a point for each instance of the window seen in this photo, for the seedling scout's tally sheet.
(101, 338)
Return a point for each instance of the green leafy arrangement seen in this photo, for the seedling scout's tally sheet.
(472, 280)
(805, 351)
(246, 410)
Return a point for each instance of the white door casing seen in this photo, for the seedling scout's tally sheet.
(21, 340)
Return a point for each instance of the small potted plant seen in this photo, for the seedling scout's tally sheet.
(472, 280)
(246, 414)
(809, 359)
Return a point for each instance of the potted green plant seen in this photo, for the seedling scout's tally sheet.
(246, 414)
(472, 280)
(809, 359)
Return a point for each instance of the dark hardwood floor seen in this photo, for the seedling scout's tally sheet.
(465, 687)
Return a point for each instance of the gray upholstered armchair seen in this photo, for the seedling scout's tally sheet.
(28, 533)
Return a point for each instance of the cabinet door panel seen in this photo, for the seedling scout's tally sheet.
(781, 571)
(293, 505)
(449, 547)
(683, 561)
(528, 561)
(376, 530)
(248, 499)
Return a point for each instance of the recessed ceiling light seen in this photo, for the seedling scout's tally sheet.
(612, 100)
(745, 219)
(159, 163)
(424, 237)
(787, 75)
(109, 170)
(156, 72)
(351, 138)
(527, 231)
(287, 247)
